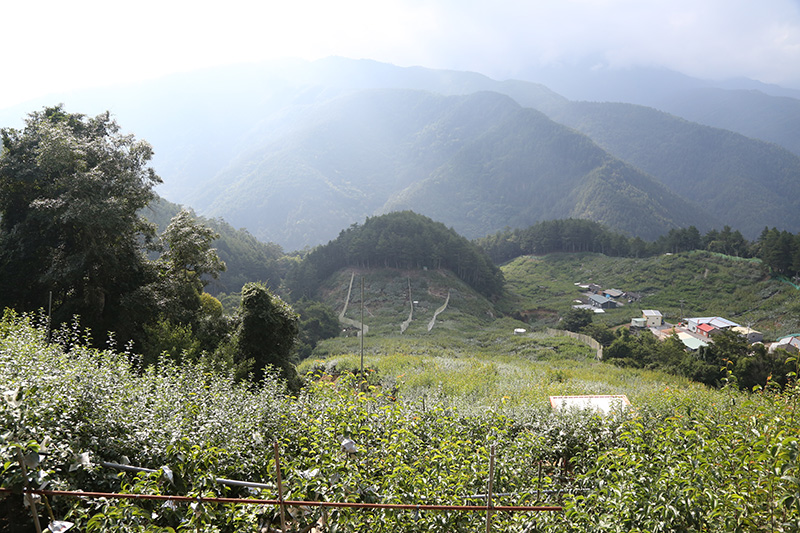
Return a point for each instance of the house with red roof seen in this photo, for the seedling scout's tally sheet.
(706, 330)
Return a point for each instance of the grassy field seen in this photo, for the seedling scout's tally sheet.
(389, 293)
(493, 368)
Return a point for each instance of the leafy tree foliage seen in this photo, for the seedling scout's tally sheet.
(317, 322)
(599, 332)
(189, 255)
(780, 251)
(576, 319)
(246, 258)
(185, 266)
(70, 191)
(730, 357)
(266, 334)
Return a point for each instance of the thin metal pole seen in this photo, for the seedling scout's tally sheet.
(539, 477)
(221, 480)
(489, 491)
(280, 485)
(362, 329)
(49, 314)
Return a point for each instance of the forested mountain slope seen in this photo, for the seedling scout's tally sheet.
(745, 183)
(246, 258)
(752, 113)
(528, 168)
(477, 163)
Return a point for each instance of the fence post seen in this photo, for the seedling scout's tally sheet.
(280, 485)
(28, 495)
(489, 491)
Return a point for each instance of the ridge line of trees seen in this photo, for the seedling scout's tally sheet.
(401, 239)
(778, 250)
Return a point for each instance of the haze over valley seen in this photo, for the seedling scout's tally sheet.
(295, 152)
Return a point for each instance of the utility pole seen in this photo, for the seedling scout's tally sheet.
(362, 328)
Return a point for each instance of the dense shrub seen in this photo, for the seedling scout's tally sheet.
(687, 459)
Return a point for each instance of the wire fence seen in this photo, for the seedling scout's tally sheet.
(289, 503)
(489, 508)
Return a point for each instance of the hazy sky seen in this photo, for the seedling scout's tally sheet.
(50, 46)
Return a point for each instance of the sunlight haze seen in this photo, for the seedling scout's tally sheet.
(62, 46)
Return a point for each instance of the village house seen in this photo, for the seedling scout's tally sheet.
(750, 334)
(706, 330)
(790, 343)
(692, 343)
(637, 322)
(652, 318)
(714, 323)
(601, 302)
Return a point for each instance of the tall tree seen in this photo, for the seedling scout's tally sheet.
(266, 333)
(70, 190)
(186, 265)
(184, 311)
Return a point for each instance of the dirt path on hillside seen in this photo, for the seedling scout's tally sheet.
(442, 308)
(349, 321)
(404, 325)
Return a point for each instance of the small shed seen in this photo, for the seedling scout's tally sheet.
(718, 322)
(692, 343)
(790, 343)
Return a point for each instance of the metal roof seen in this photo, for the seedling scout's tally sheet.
(691, 342)
(599, 299)
(716, 321)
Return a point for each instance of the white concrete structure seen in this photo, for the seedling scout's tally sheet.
(652, 317)
(602, 403)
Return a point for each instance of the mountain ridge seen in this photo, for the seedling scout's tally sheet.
(478, 163)
(206, 125)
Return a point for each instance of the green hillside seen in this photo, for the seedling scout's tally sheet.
(705, 284)
(461, 356)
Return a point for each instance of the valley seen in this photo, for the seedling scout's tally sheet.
(476, 215)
